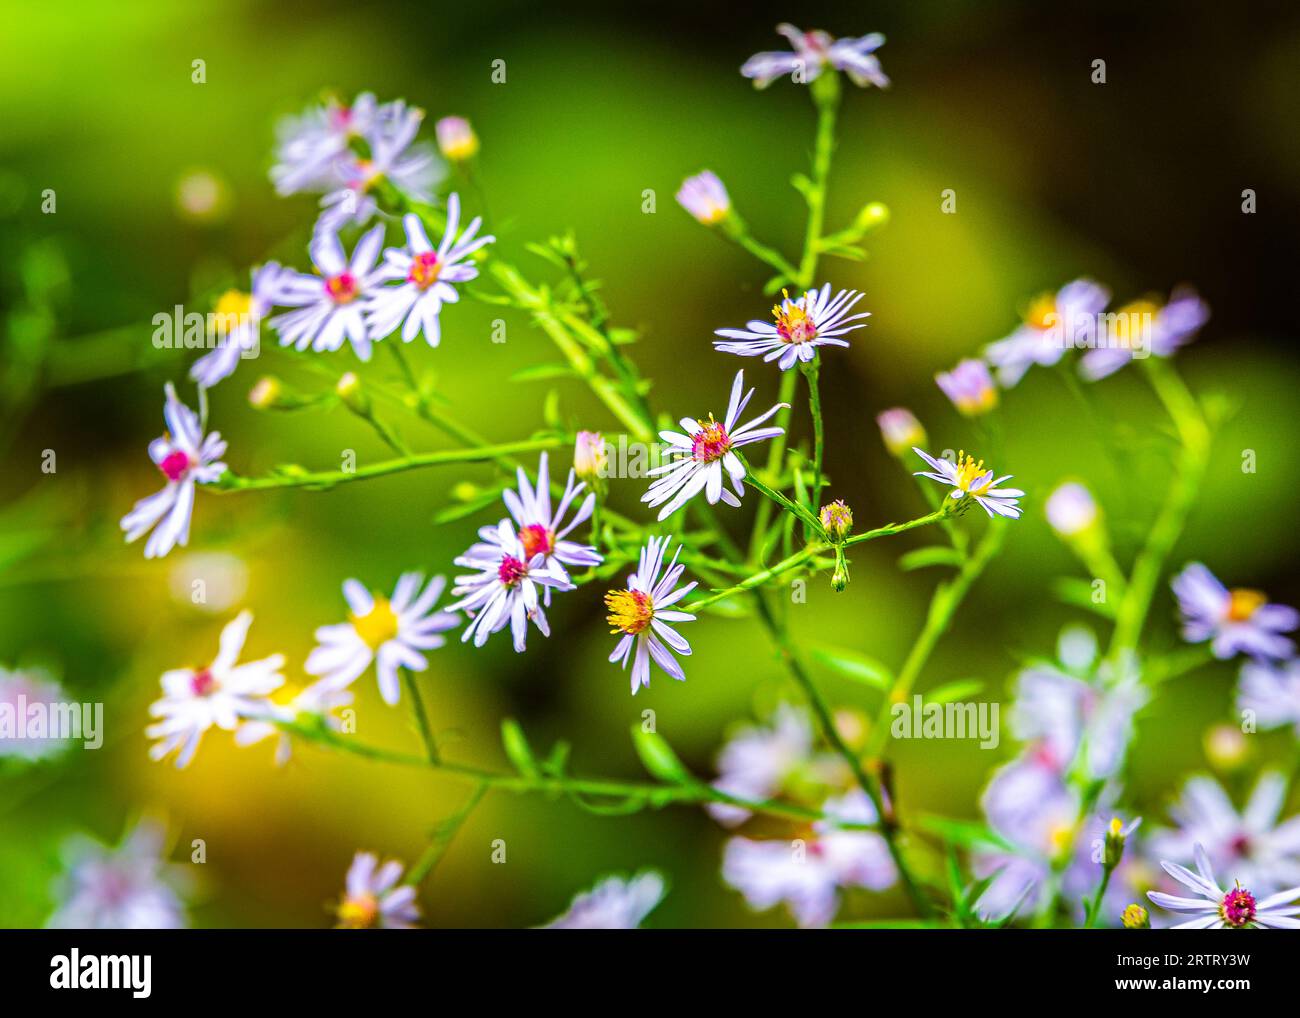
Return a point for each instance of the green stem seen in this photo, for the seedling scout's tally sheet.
(1095, 907)
(775, 457)
(442, 837)
(421, 717)
(811, 369)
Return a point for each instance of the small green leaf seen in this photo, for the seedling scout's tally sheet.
(542, 372)
(1078, 592)
(964, 833)
(855, 666)
(467, 508)
(953, 691)
(551, 409)
(935, 555)
(517, 748)
(658, 757)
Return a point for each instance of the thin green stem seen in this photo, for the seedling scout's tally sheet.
(443, 835)
(775, 457)
(421, 716)
(811, 369)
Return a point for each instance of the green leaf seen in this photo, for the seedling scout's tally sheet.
(542, 372)
(964, 833)
(517, 749)
(551, 409)
(658, 758)
(952, 691)
(934, 555)
(1078, 592)
(855, 666)
(467, 508)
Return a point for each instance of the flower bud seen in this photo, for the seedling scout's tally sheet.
(900, 430)
(1071, 509)
(590, 457)
(1225, 747)
(1136, 918)
(837, 519)
(265, 393)
(349, 390)
(970, 387)
(874, 214)
(705, 198)
(456, 139)
(1116, 836)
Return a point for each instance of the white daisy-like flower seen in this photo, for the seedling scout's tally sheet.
(503, 591)
(373, 898)
(221, 694)
(758, 760)
(543, 532)
(814, 51)
(413, 169)
(701, 453)
(1148, 328)
(310, 145)
(969, 478)
(237, 322)
(318, 701)
(705, 197)
(643, 614)
(802, 325)
(20, 690)
(1238, 621)
(186, 458)
(127, 887)
(427, 276)
(613, 904)
(1217, 909)
(1071, 509)
(330, 306)
(807, 874)
(970, 387)
(391, 633)
(1272, 693)
(1251, 844)
(1053, 324)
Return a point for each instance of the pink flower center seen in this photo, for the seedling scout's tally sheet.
(342, 288)
(176, 465)
(1240, 845)
(711, 442)
(424, 269)
(202, 682)
(537, 540)
(1238, 907)
(341, 118)
(511, 571)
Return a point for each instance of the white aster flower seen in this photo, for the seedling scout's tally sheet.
(643, 613)
(237, 322)
(426, 277)
(807, 874)
(1252, 844)
(613, 904)
(330, 306)
(129, 887)
(1053, 324)
(374, 899)
(317, 701)
(970, 387)
(223, 693)
(390, 633)
(19, 691)
(968, 477)
(186, 458)
(1071, 509)
(543, 532)
(503, 591)
(756, 762)
(1238, 621)
(1144, 327)
(310, 145)
(814, 51)
(701, 453)
(900, 430)
(1217, 909)
(1272, 692)
(705, 197)
(815, 319)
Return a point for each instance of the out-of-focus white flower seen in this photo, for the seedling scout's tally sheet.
(757, 760)
(427, 277)
(702, 450)
(503, 590)
(542, 532)
(212, 582)
(613, 904)
(970, 387)
(186, 458)
(1053, 324)
(373, 899)
(705, 197)
(807, 875)
(814, 51)
(223, 693)
(643, 614)
(968, 477)
(1143, 328)
(456, 139)
(900, 430)
(802, 325)
(19, 690)
(236, 324)
(311, 145)
(392, 633)
(1071, 509)
(1236, 621)
(1272, 692)
(129, 887)
(1217, 909)
(330, 306)
(318, 701)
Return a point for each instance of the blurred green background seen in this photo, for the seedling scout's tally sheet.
(1137, 182)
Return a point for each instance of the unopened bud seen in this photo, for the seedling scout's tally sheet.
(456, 139)
(265, 393)
(590, 457)
(900, 430)
(1135, 918)
(837, 519)
(1116, 836)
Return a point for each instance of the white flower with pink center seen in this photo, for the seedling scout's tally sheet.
(186, 458)
(19, 691)
(330, 306)
(1217, 908)
(1238, 621)
(814, 51)
(543, 532)
(374, 898)
(390, 633)
(127, 887)
(426, 277)
(644, 615)
(310, 145)
(503, 590)
(703, 450)
(613, 904)
(220, 694)
(800, 326)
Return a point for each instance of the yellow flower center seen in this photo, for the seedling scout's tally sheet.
(358, 913)
(1059, 838)
(630, 611)
(1242, 604)
(232, 308)
(968, 472)
(1116, 828)
(792, 322)
(377, 626)
(1133, 320)
(1041, 313)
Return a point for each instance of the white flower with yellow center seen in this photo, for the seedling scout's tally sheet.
(374, 898)
(800, 327)
(1053, 323)
(317, 702)
(392, 633)
(968, 477)
(705, 197)
(236, 323)
(702, 452)
(1238, 621)
(643, 612)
